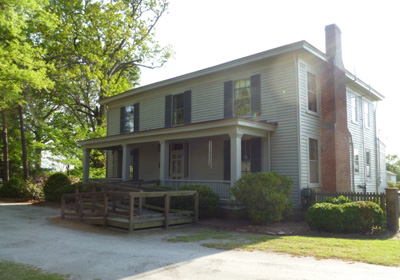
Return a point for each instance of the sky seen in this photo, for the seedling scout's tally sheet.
(204, 33)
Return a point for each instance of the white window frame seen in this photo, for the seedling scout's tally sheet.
(316, 94)
(354, 108)
(318, 160)
(234, 96)
(367, 114)
(356, 161)
(368, 163)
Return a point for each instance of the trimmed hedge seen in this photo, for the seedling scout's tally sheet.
(265, 196)
(56, 185)
(356, 217)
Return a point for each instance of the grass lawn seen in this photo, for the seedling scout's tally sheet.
(15, 271)
(374, 251)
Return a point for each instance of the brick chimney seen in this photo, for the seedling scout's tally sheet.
(335, 136)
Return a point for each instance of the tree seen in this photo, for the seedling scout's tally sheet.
(393, 165)
(21, 59)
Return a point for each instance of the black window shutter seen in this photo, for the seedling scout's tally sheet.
(227, 160)
(119, 164)
(186, 175)
(168, 110)
(228, 99)
(122, 120)
(255, 154)
(187, 107)
(255, 83)
(135, 154)
(136, 117)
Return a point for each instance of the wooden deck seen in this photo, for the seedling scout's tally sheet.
(125, 207)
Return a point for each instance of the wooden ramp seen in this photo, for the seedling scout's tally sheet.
(125, 208)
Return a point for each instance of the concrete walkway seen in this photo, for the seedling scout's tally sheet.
(35, 235)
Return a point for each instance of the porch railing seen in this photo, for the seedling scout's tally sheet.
(220, 187)
(104, 180)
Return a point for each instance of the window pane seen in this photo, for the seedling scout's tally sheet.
(313, 149)
(312, 92)
(356, 161)
(177, 117)
(242, 97)
(129, 118)
(314, 172)
(178, 101)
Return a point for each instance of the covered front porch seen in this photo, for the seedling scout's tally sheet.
(214, 153)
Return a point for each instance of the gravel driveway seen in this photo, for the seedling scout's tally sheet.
(35, 235)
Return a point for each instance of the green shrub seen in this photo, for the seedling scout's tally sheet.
(17, 188)
(338, 200)
(56, 185)
(209, 203)
(13, 188)
(357, 217)
(264, 195)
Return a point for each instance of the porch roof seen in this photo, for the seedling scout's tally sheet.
(195, 130)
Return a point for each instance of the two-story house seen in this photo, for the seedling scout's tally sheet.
(294, 110)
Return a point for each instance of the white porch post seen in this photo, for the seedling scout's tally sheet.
(164, 161)
(236, 157)
(86, 164)
(126, 152)
(265, 156)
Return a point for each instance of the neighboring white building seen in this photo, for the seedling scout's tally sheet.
(391, 177)
(294, 110)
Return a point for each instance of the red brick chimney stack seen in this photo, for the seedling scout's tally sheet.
(335, 147)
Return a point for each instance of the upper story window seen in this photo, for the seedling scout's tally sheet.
(177, 109)
(313, 158)
(242, 98)
(241, 101)
(368, 163)
(367, 115)
(356, 161)
(354, 109)
(129, 118)
(312, 92)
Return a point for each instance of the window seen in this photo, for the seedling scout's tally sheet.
(313, 160)
(356, 161)
(367, 117)
(177, 109)
(242, 93)
(354, 109)
(368, 163)
(312, 92)
(129, 119)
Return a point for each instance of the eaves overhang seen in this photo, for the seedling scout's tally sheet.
(364, 87)
(196, 130)
(301, 45)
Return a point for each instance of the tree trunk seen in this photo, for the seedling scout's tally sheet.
(6, 166)
(23, 143)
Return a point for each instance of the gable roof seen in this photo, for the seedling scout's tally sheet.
(301, 45)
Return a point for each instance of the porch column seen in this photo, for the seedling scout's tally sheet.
(126, 152)
(86, 164)
(236, 157)
(265, 154)
(164, 161)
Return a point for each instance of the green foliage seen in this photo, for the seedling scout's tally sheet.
(357, 217)
(57, 185)
(264, 195)
(209, 203)
(17, 188)
(338, 200)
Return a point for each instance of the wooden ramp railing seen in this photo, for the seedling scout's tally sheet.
(123, 207)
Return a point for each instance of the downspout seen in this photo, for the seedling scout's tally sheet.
(296, 62)
(363, 143)
(269, 150)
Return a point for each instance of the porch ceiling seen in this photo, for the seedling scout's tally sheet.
(204, 129)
